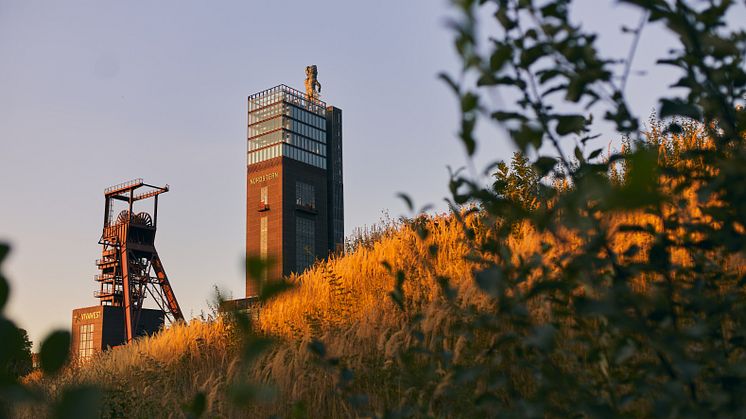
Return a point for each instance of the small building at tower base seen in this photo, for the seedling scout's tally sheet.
(97, 328)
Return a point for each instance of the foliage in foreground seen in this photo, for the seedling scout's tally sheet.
(602, 346)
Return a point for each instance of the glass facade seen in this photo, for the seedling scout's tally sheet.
(284, 123)
(305, 253)
(305, 195)
(334, 188)
(85, 349)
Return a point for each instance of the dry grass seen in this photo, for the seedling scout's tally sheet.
(343, 302)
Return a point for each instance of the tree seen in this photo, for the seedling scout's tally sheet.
(20, 363)
(519, 182)
(634, 304)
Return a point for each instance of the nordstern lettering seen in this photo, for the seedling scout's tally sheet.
(263, 178)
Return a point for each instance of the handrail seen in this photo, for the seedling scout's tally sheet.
(156, 191)
(315, 105)
(99, 293)
(103, 277)
(123, 186)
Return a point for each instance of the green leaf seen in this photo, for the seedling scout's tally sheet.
(80, 402)
(299, 410)
(4, 250)
(317, 348)
(4, 292)
(4, 286)
(274, 288)
(542, 337)
(677, 107)
(576, 88)
(196, 408)
(398, 298)
(450, 82)
(569, 124)
(579, 155)
(255, 346)
(500, 56)
(407, 200)
(445, 286)
(545, 165)
(530, 55)
(595, 153)
(490, 281)
(526, 136)
(11, 349)
(467, 134)
(255, 266)
(469, 102)
(55, 351)
(507, 116)
(246, 394)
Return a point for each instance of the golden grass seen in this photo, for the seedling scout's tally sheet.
(343, 302)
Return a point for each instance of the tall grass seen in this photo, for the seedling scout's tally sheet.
(345, 303)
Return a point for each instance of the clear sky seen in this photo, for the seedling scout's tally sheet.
(93, 93)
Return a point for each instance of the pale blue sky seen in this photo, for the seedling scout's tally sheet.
(93, 93)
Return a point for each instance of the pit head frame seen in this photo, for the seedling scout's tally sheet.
(130, 268)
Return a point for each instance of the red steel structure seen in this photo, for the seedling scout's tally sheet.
(129, 264)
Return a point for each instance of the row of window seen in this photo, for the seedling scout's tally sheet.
(288, 138)
(266, 126)
(304, 156)
(265, 154)
(265, 140)
(266, 99)
(263, 114)
(306, 144)
(286, 150)
(259, 114)
(290, 124)
(306, 130)
(307, 117)
(85, 349)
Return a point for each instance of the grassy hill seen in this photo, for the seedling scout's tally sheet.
(343, 302)
(415, 321)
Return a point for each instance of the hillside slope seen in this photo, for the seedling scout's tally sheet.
(343, 302)
(408, 318)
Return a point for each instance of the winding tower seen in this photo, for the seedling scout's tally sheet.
(130, 268)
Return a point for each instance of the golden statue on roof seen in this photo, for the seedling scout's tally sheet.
(312, 83)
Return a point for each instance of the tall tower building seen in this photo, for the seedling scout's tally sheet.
(294, 201)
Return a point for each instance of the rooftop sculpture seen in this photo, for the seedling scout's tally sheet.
(312, 82)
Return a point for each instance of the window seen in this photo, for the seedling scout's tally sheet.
(305, 195)
(305, 253)
(263, 238)
(85, 349)
(263, 245)
(264, 196)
